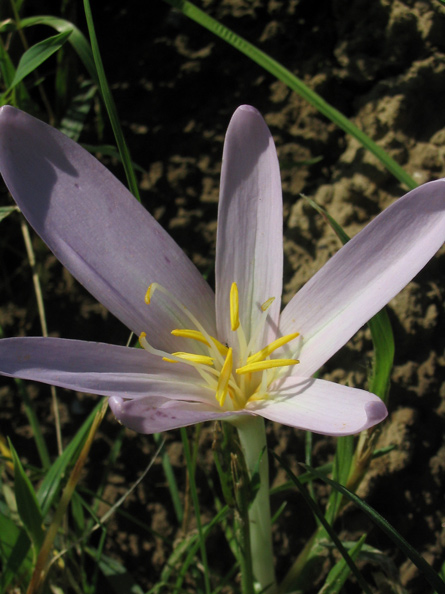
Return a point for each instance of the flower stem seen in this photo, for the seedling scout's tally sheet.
(252, 435)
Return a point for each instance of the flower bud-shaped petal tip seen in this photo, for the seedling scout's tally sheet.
(248, 108)
(376, 412)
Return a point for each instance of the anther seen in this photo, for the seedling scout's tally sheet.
(149, 294)
(270, 348)
(234, 307)
(199, 336)
(192, 358)
(269, 364)
(267, 304)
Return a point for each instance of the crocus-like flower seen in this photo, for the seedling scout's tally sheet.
(206, 357)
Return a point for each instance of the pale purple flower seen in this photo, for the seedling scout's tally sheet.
(116, 249)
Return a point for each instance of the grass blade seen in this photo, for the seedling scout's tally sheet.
(171, 480)
(74, 119)
(344, 455)
(383, 342)
(27, 505)
(118, 578)
(294, 83)
(110, 105)
(43, 559)
(194, 495)
(5, 211)
(430, 575)
(36, 55)
(50, 485)
(16, 560)
(327, 527)
(77, 40)
(340, 572)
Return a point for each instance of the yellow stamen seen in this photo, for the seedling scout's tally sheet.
(234, 307)
(169, 360)
(201, 359)
(222, 349)
(149, 294)
(267, 304)
(224, 377)
(199, 336)
(270, 348)
(193, 334)
(262, 365)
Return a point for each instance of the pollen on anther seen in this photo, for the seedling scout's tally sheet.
(149, 293)
(267, 304)
(234, 307)
(263, 365)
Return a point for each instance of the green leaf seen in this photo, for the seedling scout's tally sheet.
(338, 229)
(171, 479)
(77, 513)
(77, 39)
(328, 530)
(194, 497)
(47, 492)
(430, 575)
(383, 341)
(6, 211)
(193, 544)
(36, 55)
(340, 572)
(19, 558)
(9, 533)
(342, 465)
(118, 578)
(307, 477)
(7, 72)
(80, 106)
(6, 67)
(27, 505)
(50, 485)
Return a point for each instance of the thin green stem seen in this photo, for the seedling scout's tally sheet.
(42, 317)
(242, 490)
(110, 105)
(171, 480)
(194, 495)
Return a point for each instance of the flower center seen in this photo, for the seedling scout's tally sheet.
(242, 380)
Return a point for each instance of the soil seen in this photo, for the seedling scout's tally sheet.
(382, 64)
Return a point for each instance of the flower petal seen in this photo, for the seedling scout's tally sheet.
(98, 368)
(96, 228)
(365, 274)
(321, 406)
(154, 414)
(249, 243)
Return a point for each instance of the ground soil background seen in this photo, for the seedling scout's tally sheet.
(382, 64)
